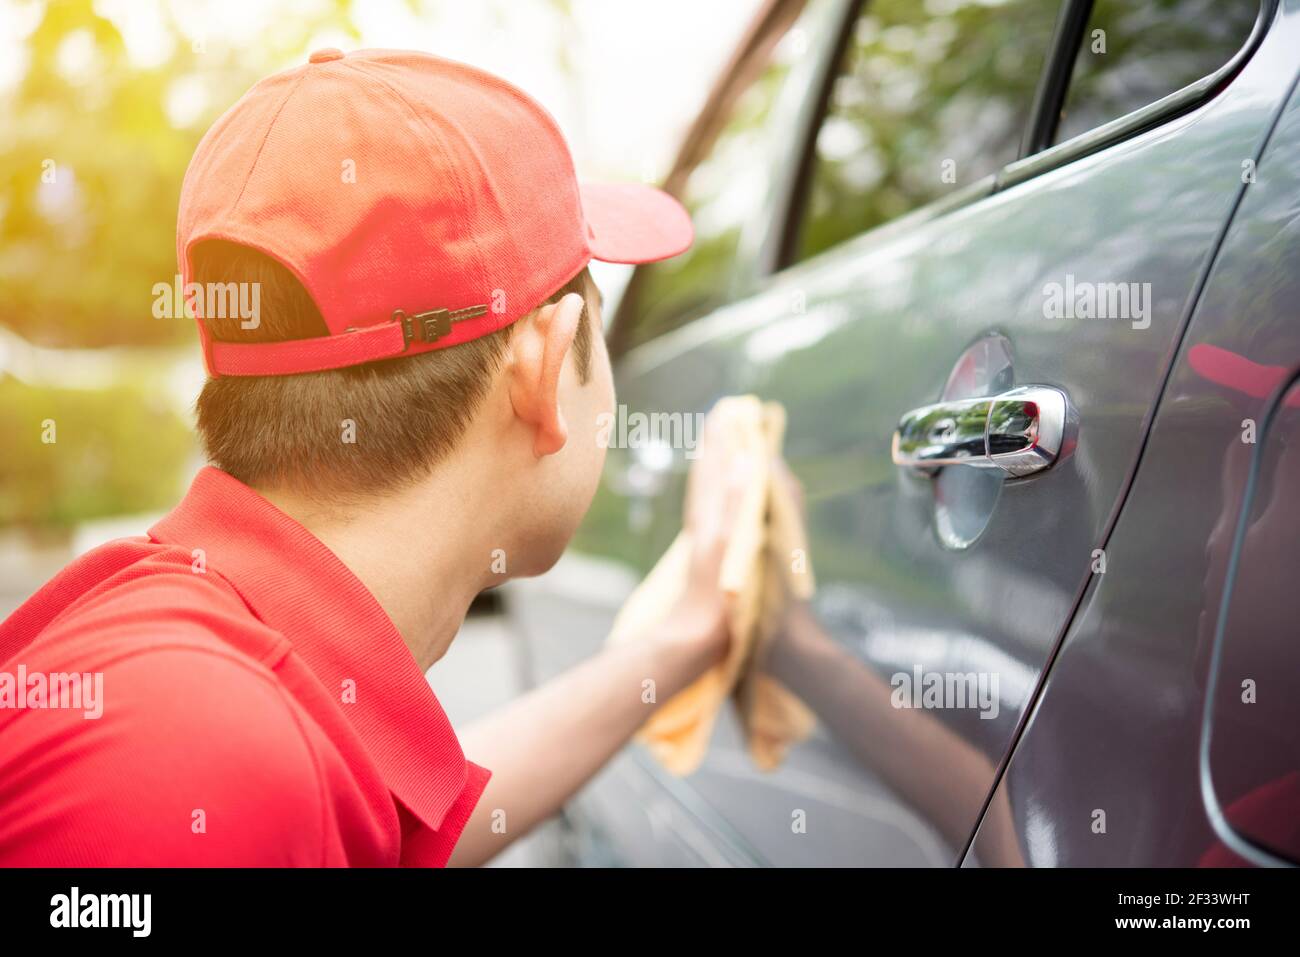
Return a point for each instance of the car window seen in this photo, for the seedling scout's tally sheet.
(725, 190)
(1133, 54)
(931, 97)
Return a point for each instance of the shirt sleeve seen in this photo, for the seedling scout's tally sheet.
(198, 759)
(423, 847)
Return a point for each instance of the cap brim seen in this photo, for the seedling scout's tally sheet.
(633, 223)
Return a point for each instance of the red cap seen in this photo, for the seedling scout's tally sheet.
(421, 202)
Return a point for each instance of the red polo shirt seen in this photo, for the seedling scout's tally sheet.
(258, 707)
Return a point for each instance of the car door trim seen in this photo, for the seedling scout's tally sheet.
(781, 243)
(1045, 120)
(1054, 81)
(693, 804)
(1052, 89)
(1239, 843)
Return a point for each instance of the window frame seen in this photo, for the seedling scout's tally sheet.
(793, 213)
(1037, 153)
(784, 251)
(1043, 155)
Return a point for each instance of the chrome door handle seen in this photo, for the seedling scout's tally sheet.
(1020, 432)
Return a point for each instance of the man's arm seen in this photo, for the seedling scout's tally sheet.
(547, 744)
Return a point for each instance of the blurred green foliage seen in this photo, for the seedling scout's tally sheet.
(1134, 54)
(914, 88)
(96, 147)
(113, 451)
(98, 134)
(924, 105)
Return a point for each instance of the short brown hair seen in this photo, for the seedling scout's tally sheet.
(406, 413)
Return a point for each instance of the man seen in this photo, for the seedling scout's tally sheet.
(408, 418)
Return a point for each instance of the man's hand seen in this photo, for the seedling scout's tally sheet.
(713, 491)
(545, 745)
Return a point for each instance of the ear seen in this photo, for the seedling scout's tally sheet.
(538, 347)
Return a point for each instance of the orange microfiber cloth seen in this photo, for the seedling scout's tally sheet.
(766, 559)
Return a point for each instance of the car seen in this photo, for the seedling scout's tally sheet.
(1023, 275)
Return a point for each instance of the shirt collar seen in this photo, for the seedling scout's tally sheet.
(297, 586)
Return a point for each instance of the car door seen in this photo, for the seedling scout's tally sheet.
(943, 241)
(1166, 732)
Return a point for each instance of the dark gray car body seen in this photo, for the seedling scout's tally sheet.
(1096, 592)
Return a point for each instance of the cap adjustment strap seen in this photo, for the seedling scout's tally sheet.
(432, 325)
(383, 340)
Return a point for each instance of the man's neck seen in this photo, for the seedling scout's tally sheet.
(408, 548)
